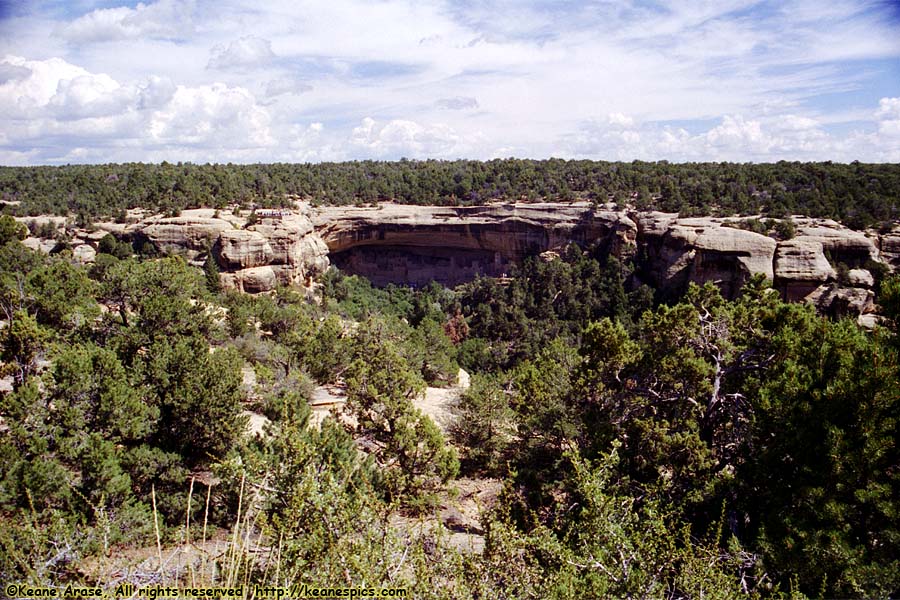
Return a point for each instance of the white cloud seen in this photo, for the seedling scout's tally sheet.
(401, 137)
(156, 92)
(286, 85)
(89, 96)
(22, 96)
(619, 120)
(735, 131)
(214, 116)
(732, 80)
(888, 115)
(165, 19)
(888, 109)
(248, 51)
(797, 123)
(90, 111)
(11, 72)
(457, 103)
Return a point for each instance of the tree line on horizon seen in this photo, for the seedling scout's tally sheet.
(857, 194)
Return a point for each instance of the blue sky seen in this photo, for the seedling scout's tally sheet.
(288, 80)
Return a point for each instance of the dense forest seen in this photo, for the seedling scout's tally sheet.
(860, 195)
(701, 448)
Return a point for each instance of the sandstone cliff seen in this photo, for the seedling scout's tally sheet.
(253, 258)
(413, 245)
(399, 243)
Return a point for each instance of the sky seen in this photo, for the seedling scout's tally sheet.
(297, 81)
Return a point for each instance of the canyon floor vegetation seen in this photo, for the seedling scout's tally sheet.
(700, 447)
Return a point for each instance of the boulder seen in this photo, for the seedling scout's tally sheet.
(255, 280)
(853, 248)
(313, 256)
(39, 244)
(838, 302)
(800, 268)
(890, 248)
(285, 237)
(869, 320)
(732, 257)
(242, 249)
(84, 253)
(860, 278)
(700, 250)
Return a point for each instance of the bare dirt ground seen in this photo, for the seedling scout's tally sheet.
(437, 403)
(461, 507)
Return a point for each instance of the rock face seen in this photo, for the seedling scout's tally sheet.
(890, 248)
(407, 244)
(253, 280)
(853, 248)
(679, 251)
(413, 245)
(842, 302)
(186, 234)
(800, 268)
(242, 249)
(252, 258)
(84, 253)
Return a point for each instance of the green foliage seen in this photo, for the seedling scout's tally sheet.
(435, 354)
(61, 294)
(198, 394)
(11, 230)
(323, 497)
(381, 385)
(860, 195)
(785, 229)
(109, 244)
(16, 262)
(546, 419)
(129, 400)
(91, 391)
(155, 300)
(828, 515)
(704, 448)
(484, 426)
(23, 341)
(545, 299)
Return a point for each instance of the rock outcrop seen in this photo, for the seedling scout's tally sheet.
(395, 243)
(842, 301)
(242, 249)
(679, 251)
(825, 262)
(800, 268)
(890, 248)
(186, 235)
(843, 245)
(415, 244)
(252, 258)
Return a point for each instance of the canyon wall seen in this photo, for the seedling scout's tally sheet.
(406, 244)
(451, 245)
(413, 245)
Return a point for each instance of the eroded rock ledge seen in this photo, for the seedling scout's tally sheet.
(393, 243)
(408, 244)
